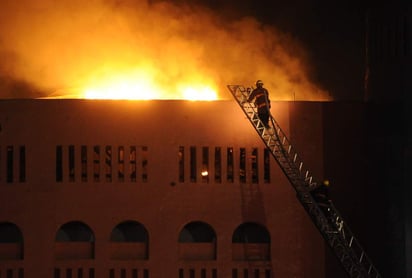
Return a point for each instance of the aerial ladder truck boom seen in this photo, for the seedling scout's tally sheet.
(329, 222)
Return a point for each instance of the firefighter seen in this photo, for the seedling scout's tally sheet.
(321, 196)
(262, 101)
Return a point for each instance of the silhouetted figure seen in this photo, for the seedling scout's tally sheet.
(261, 96)
(321, 195)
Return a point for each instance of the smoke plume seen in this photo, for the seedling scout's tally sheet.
(52, 47)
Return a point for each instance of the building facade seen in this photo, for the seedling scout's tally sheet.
(126, 189)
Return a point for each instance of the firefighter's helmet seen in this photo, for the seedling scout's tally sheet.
(259, 83)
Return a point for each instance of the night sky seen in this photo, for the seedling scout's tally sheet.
(331, 32)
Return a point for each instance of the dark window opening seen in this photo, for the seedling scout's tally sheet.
(22, 164)
(255, 169)
(83, 157)
(56, 273)
(205, 165)
(96, 163)
(242, 165)
(59, 163)
(144, 164)
(406, 37)
(251, 233)
(80, 273)
(193, 166)
(10, 162)
(230, 165)
(132, 165)
(266, 166)
(181, 157)
(129, 231)
(74, 231)
(71, 163)
(218, 165)
(120, 161)
(108, 164)
(197, 232)
(69, 273)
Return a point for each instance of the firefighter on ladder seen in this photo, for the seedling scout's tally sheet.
(262, 101)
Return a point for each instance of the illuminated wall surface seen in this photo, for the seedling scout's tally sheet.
(186, 189)
(148, 189)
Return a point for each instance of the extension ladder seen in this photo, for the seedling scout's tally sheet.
(328, 220)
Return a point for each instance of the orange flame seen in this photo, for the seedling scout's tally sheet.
(120, 49)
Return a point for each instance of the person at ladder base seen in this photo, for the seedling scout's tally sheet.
(262, 101)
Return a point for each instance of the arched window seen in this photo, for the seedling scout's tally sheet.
(129, 240)
(11, 242)
(74, 240)
(197, 241)
(197, 232)
(251, 241)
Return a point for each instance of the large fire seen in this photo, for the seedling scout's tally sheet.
(143, 49)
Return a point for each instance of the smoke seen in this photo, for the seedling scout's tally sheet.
(53, 46)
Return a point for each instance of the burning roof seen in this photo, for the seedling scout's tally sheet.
(143, 49)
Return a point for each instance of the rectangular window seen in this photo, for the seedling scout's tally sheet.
(83, 154)
(96, 163)
(10, 162)
(181, 157)
(71, 163)
(218, 165)
(108, 165)
(69, 273)
(145, 273)
(230, 165)
(132, 163)
(242, 165)
(191, 273)
(59, 163)
(22, 164)
(134, 273)
(205, 165)
(111, 275)
(255, 168)
(193, 166)
(120, 158)
(144, 163)
(266, 166)
(123, 273)
(80, 273)
(406, 37)
(91, 273)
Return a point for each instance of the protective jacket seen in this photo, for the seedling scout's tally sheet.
(262, 98)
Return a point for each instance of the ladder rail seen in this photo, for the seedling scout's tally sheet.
(330, 223)
(241, 94)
